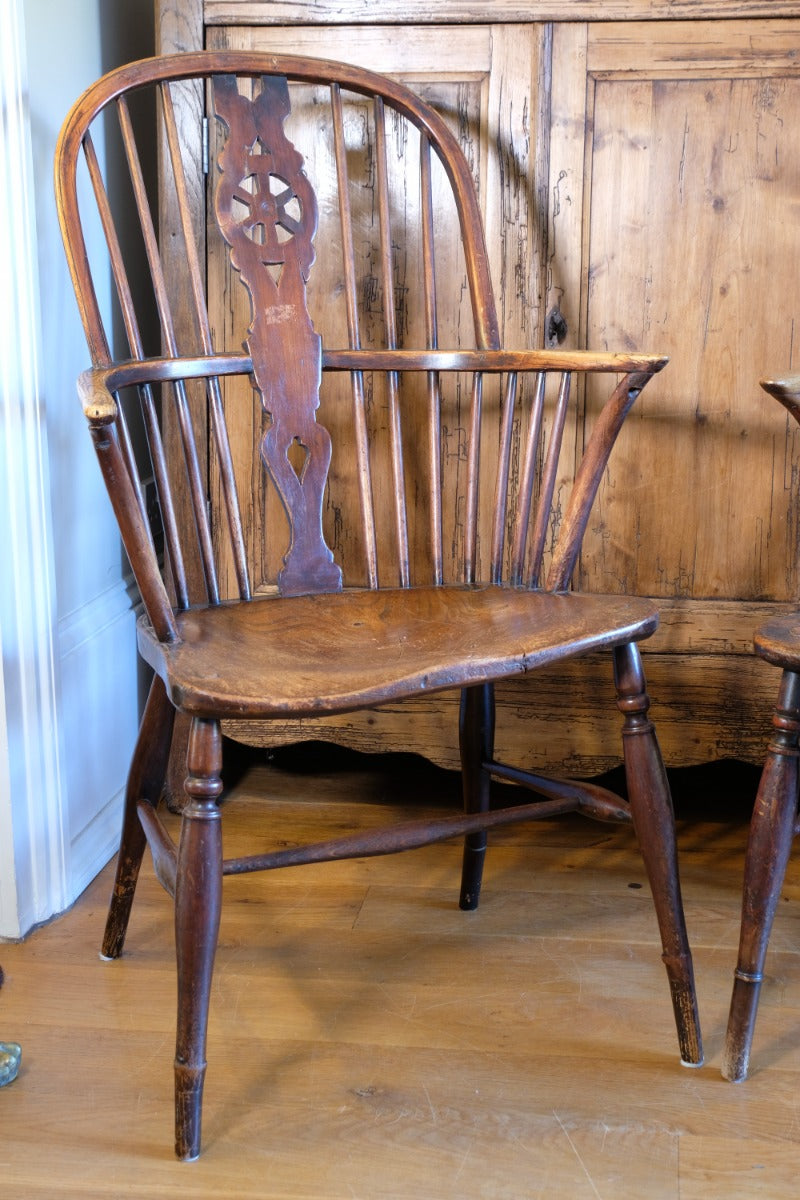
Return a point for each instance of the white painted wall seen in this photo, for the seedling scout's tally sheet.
(68, 700)
(32, 864)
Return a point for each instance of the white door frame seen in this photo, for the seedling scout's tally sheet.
(33, 855)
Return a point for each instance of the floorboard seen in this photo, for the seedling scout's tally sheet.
(369, 1040)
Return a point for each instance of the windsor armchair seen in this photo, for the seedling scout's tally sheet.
(774, 822)
(456, 576)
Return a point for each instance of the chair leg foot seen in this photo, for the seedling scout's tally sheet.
(188, 1109)
(653, 819)
(472, 871)
(145, 781)
(119, 911)
(684, 1005)
(741, 1023)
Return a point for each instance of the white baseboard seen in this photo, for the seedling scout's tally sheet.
(98, 673)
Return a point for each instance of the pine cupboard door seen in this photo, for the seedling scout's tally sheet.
(638, 180)
(675, 188)
(487, 82)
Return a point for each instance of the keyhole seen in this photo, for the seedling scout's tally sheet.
(555, 328)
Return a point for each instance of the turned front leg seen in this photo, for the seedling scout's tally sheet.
(198, 900)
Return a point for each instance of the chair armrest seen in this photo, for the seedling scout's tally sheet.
(98, 403)
(96, 387)
(491, 361)
(786, 390)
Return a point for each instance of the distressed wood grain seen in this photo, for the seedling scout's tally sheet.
(256, 12)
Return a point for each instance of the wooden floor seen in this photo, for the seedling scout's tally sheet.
(370, 1040)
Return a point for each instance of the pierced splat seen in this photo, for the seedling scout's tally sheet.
(267, 213)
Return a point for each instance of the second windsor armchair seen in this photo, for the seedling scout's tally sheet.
(774, 823)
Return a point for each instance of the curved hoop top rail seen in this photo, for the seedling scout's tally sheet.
(202, 64)
(473, 483)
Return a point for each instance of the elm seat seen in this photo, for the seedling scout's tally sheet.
(362, 494)
(307, 655)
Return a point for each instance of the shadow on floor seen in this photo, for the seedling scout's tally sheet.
(723, 790)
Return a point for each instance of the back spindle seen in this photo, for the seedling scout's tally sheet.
(503, 475)
(548, 482)
(432, 342)
(354, 337)
(524, 507)
(390, 330)
(473, 478)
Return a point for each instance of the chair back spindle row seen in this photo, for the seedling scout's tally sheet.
(462, 453)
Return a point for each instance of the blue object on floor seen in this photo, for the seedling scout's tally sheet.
(10, 1057)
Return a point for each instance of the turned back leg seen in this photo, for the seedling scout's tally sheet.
(476, 739)
(653, 819)
(145, 783)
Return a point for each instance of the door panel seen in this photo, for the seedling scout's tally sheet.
(689, 236)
